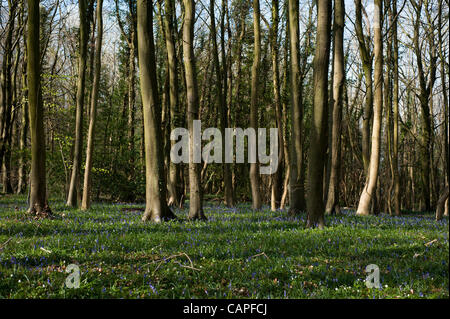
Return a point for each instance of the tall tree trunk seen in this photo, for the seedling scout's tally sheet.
(195, 189)
(22, 178)
(395, 146)
(332, 205)
(76, 165)
(277, 177)
(296, 183)
(169, 30)
(254, 167)
(86, 202)
(38, 195)
(6, 103)
(366, 58)
(444, 75)
(156, 208)
(368, 192)
(221, 98)
(316, 160)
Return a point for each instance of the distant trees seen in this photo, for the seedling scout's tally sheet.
(368, 128)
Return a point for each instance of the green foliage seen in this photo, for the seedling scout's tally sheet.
(237, 253)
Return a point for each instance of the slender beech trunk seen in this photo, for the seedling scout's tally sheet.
(332, 205)
(254, 167)
(296, 183)
(169, 30)
(445, 93)
(22, 178)
(86, 202)
(371, 184)
(156, 208)
(395, 146)
(317, 151)
(82, 60)
(6, 103)
(195, 189)
(366, 58)
(221, 98)
(277, 177)
(38, 195)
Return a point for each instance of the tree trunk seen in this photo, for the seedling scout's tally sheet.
(254, 167)
(332, 205)
(76, 165)
(441, 204)
(296, 183)
(277, 177)
(317, 151)
(368, 192)
(86, 202)
(38, 195)
(221, 98)
(366, 58)
(195, 190)
(156, 208)
(172, 186)
(395, 146)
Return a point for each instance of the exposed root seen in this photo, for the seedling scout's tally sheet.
(37, 213)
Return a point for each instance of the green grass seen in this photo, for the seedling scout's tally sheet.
(121, 257)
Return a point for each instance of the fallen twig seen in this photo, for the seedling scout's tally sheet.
(5, 243)
(260, 254)
(162, 260)
(46, 250)
(431, 242)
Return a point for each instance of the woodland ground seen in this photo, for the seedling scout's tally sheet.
(237, 253)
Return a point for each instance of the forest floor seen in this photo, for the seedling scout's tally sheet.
(237, 253)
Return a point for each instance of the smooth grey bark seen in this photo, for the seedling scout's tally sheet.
(156, 208)
(332, 206)
(195, 189)
(38, 191)
(82, 61)
(86, 201)
(317, 151)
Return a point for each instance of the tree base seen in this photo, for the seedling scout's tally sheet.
(38, 213)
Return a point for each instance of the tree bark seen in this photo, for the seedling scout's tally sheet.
(86, 201)
(221, 98)
(82, 60)
(169, 30)
(38, 195)
(254, 167)
(317, 151)
(366, 58)
(368, 192)
(297, 202)
(156, 208)
(332, 205)
(195, 189)
(441, 204)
